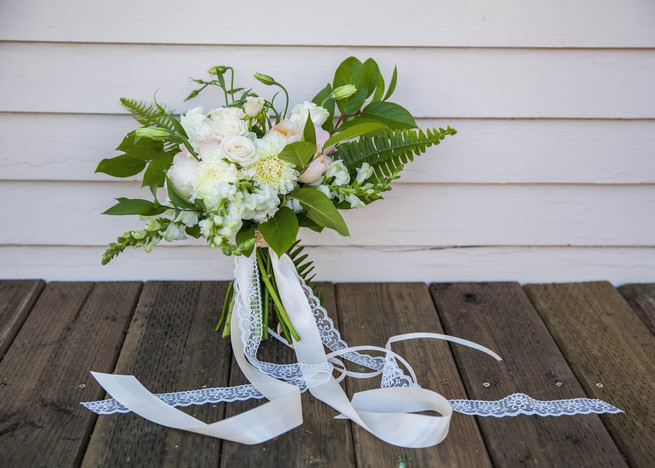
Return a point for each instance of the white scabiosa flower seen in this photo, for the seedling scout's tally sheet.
(215, 181)
(299, 114)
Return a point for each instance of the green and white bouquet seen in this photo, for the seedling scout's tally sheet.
(250, 174)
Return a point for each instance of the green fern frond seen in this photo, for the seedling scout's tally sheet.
(148, 114)
(304, 267)
(389, 151)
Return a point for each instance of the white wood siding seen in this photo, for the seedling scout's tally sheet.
(550, 178)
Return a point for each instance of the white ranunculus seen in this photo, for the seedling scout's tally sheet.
(253, 105)
(230, 127)
(196, 125)
(183, 173)
(227, 113)
(240, 150)
(364, 172)
(299, 114)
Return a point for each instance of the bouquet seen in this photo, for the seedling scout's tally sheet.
(250, 174)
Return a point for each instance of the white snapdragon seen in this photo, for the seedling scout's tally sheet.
(188, 218)
(364, 172)
(339, 172)
(174, 232)
(317, 113)
(354, 201)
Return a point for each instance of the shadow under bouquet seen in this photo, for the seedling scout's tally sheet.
(248, 175)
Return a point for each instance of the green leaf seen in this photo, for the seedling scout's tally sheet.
(309, 132)
(329, 106)
(356, 131)
(372, 74)
(392, 85)
(121, 166)
(193, 231)
(175, 197)
(379, 89)
(351, 71)
(246, 233)
(156, 172)
(135, 206)
(322, 94)
(144, 149)
(390, 114)
(281, 230)
(304, 221)
(320, 209)
(298, 153)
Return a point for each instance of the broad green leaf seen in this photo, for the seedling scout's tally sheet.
(298, 153)
(280, 231)
(144, 149)
(309, 132)
(355, 131)
(390, 114)
(320, 209)
(351, 71)
(135, 206)
(379, 89)
(175, 197)
(322, 94)
(156, 172)
(372, 74)
(193, 231)
(246, 233)
(121, 166)
(304, 221)
(392, 84)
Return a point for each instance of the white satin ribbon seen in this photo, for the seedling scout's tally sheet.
(388, 413)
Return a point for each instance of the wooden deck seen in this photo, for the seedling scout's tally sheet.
(557, 341)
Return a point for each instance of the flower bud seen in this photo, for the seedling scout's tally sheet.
(343, 92)
(267, 80)
(217, 70)
(153, 133)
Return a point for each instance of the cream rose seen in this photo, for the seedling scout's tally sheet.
(253, 105)
(287, 130)
(230, 127)
(239, 149)
(227, 113)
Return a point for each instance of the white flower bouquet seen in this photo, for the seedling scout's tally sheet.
(250, 174)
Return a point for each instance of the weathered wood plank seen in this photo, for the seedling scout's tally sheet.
(320, 441)
(612, 354)
(641, 298)
(500, 316)
(73, 328)
(16, 300)
(170, 346)
(370, 313)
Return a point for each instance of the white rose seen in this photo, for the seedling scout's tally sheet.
(299, 114)
(227, 113)
(230, 127)
(240, 150)
(183, 173)
(253, 106)
(196, 125)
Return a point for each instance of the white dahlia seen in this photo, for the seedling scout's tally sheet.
(271, 171)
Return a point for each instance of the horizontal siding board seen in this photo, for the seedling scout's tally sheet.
(448, 82)
(412, 214)
(69, 147)
(512, 23)
(341, 264)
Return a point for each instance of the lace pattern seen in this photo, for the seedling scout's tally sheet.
(248, 306)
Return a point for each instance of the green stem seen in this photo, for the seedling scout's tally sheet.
(282, 314)
(231, 83)
(225, 303)
(228, 322)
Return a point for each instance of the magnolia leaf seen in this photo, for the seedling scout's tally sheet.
(392, 85)
(372, 74)
(298, 153)
(355, 131)
(175, 197)
(121, 166)
(351, 71)
(144, 149)
(135, 206)
(320, 209)
(390, 114)
(309, 132)
(379, 89)
(281, 230)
